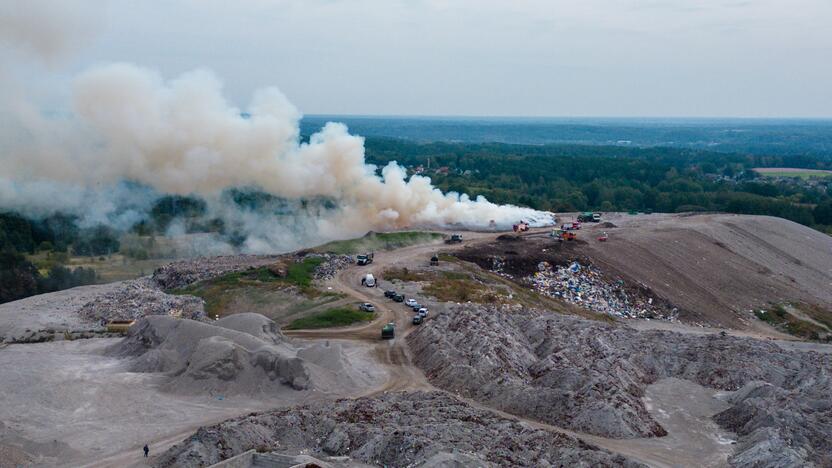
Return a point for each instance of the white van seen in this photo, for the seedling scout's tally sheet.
(368, 280)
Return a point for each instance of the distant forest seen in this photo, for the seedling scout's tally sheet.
(553, 177)
(613, 178)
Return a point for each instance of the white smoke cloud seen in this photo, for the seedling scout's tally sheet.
(182, 136)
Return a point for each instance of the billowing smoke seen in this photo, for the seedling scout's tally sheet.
(129, 136)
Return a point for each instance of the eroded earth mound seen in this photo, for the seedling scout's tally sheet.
(394, 429)
(590, 377)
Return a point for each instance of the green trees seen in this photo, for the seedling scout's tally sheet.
(572, 177)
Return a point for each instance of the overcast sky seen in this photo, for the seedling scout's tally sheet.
(755, 58)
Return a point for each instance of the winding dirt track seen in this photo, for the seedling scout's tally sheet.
(405, 376)
(396, 355)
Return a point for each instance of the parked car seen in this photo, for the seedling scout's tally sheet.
(417, 319)
(410, 302)
(367, 307)
(398, 298)
(416, 306)
(423, 312)
(389, 293)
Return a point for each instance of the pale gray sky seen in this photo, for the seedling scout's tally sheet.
(486, 57)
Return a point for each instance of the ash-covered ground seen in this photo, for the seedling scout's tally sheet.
(394, 429)
(591, 377)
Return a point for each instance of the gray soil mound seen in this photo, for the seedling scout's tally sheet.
(254, 324)
(185, 272)
(590, 377)
(204, 358)
(395, 429)
(140, 298)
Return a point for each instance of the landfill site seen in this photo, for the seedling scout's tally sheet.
(612, 339)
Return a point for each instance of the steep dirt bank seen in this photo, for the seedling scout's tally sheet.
(591, 377)
(714, 268)
(395, 429)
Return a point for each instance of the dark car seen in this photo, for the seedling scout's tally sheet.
(389, 293)
(417, 319)
(398, 298)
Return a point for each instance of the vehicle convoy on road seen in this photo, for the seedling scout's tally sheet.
(364, 259)
(368, 280)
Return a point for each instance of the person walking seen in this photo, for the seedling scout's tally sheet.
(146, 450)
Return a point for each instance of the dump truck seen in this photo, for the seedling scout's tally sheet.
(388, 332)
(522, 226)
(364, 259)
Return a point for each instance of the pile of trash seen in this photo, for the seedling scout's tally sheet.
(184, 272)
(139, 298)
(330, 266)
(586, 286)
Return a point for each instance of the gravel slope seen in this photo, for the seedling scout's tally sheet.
(395, 429)
(591, 377)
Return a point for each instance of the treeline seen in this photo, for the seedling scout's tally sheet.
(578, 178)
(19, 278)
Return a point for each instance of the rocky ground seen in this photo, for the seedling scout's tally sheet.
(140, 298)
(394, 429)
(185, 272)
(591, 377)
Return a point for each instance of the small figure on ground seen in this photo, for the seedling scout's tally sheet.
(146, 450)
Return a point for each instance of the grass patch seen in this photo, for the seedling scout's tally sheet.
(798, 173)
(405, 274)
(779, 317)
(300, 273)
(335, 317)
(375, 241)
(255, 286)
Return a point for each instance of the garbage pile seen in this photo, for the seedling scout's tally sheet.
(140, 298)
(331, 265)
(184, 272)
(586, 286)
(498, 264)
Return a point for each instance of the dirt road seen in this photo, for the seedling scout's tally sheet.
(692, 438)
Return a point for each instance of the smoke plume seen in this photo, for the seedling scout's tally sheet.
(129, 136)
